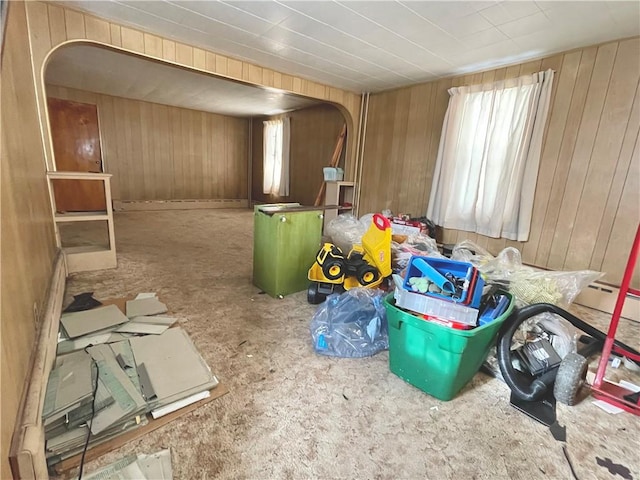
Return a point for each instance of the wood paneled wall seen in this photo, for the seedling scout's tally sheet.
(587, 202)
(28, 243)
(314, 132)
(159, 152)
(52, 25)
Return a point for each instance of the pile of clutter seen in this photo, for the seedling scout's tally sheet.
(117, 367)
(465, 290)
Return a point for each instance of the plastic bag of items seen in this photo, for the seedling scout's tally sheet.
(346, 230)
(417, 244)
(527, 284)
(352, 324)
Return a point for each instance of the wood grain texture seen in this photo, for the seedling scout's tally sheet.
(587, 203)
(158, 152)
(81, 26)
(76, 144)
(313, 139)
(28, 243)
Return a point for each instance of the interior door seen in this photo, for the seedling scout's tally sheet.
(76, 145)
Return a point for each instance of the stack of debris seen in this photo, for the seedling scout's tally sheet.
(113, 367)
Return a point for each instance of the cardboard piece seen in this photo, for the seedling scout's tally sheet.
(77, 324)
(174, 367)
(97, 451)
(145, 306)
(156, 466)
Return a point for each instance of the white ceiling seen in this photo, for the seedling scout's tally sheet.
(378, 45)
(107, 71)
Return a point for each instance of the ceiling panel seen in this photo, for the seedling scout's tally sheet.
(369, 45)
(113, 73)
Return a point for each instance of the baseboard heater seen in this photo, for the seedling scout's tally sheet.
(601, 296)
(137, 205)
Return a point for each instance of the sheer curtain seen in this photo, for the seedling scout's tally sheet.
(487, 165)
(275, 150)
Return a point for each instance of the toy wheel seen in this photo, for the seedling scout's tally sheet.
(313, 296)
(570, 378)
(367, 275)
(333, 269)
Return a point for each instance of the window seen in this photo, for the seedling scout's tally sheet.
(276, 157)
(487, 164)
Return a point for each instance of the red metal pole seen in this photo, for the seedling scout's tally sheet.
(617, 311)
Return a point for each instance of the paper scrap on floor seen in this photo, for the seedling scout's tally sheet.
(156, 466)
(172, 407)
(607, 407)
(145, 295)
(77, 324)
(145, 306)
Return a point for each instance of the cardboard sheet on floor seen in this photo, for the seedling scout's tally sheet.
(98, 450)
(170, 367)
(77, 324)
(128, 401)
(67, 346)
(69, 386)
(145, 306)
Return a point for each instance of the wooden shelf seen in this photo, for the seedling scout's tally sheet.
(81, 216)
(337, 194)
(59, 175)
(93, 257)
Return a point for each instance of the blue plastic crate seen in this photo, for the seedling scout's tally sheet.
(435, 270)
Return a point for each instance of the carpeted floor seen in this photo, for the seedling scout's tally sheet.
(292, 414)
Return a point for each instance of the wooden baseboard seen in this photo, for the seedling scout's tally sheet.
(26, 456)
(141, 205)
(603, 297)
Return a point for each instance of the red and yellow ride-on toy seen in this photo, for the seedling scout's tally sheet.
(365, 266)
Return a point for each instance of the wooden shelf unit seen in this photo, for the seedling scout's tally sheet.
(86, 258)
(338, 193)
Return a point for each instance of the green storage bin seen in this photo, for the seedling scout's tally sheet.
(435, 358)
(286, 240)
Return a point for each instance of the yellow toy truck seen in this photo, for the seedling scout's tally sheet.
(365, 266)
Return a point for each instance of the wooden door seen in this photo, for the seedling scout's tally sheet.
(76, 146)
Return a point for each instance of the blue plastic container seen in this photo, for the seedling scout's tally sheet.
(435, 270)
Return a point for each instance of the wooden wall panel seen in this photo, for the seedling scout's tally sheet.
(314, 132)
(56, 24)
(28, 243)
(587, 202)
(158, 152)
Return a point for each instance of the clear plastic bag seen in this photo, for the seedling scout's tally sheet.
(352, 324)
(417, 244)
(527, 284)
(345, 231)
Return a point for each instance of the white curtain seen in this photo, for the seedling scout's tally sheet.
(487, 165)
(276, 144)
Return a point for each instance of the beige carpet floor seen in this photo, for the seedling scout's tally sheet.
(292, 414)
